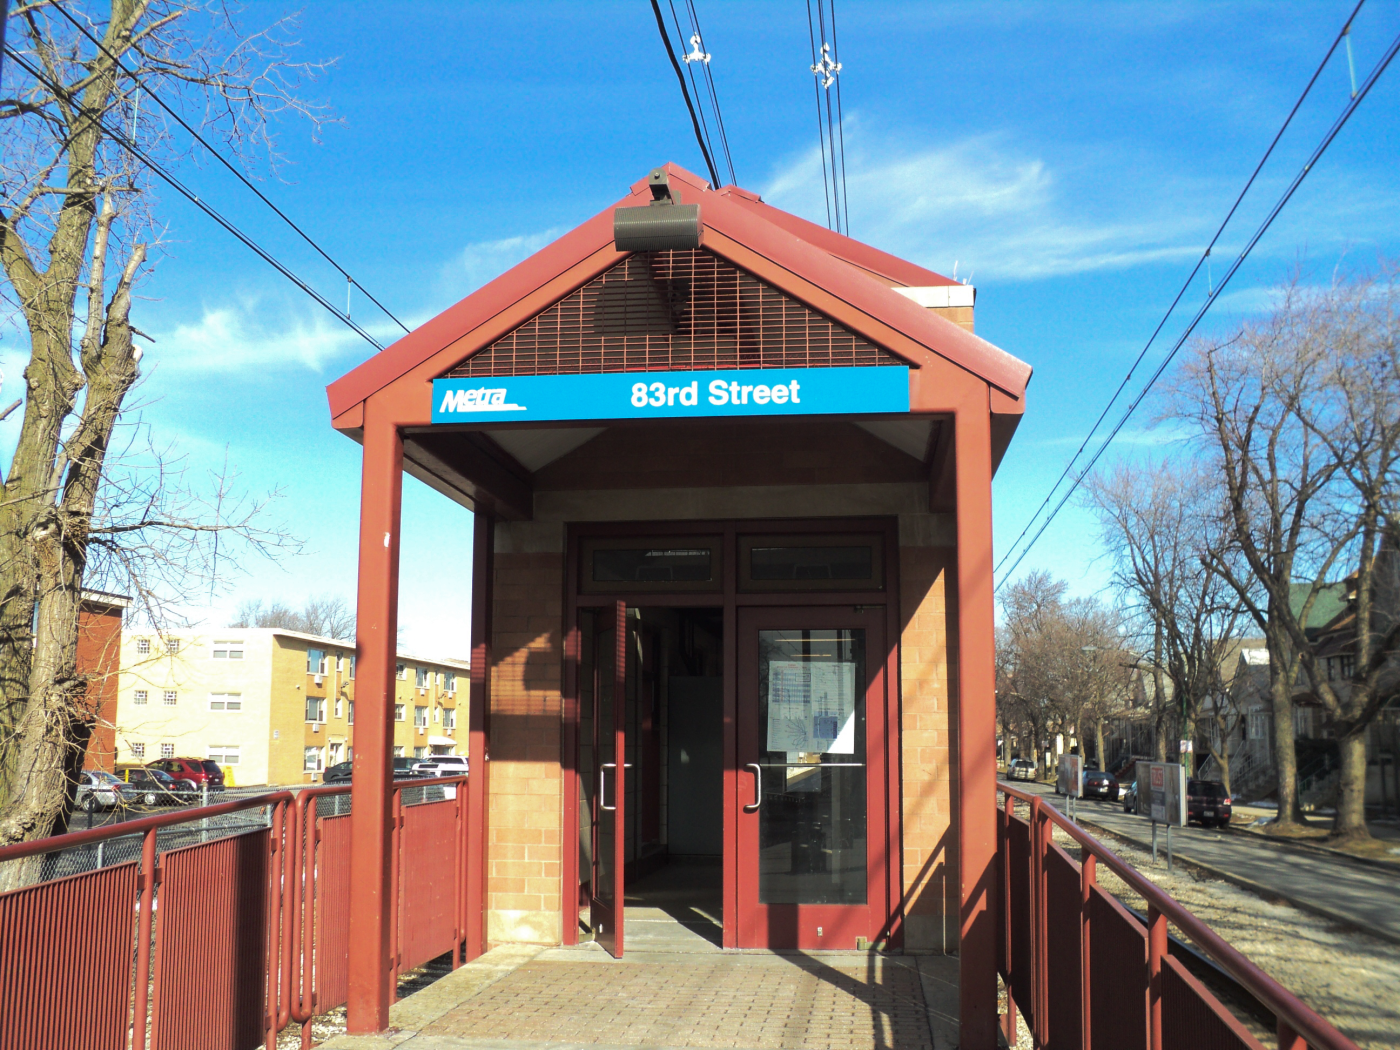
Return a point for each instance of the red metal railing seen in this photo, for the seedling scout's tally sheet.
(1084, 973)
(219, 943)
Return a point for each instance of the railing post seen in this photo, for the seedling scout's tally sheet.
(143, 940)
(276, 924)
(1088, 872)
(1038, 925)
(395, 880)
(1009, 1023)
(1156, 949)
(1289, 1039)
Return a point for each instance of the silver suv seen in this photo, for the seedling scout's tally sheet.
(442, 766)
(97, 790)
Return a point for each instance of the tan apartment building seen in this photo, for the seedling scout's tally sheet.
(270, 705)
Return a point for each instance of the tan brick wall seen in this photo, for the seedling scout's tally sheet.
(526, 807)
(927, 666)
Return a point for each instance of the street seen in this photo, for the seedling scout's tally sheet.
(1365, 896)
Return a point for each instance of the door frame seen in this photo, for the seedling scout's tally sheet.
(886, 899)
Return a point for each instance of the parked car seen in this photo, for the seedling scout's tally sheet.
(1130, 798)
(442, 766)
(1020, 769)
(97, 789)
(191, 774)
(151, 787)
(404, 769)
(1207, 802)
(1098, 784)
(341, 772)
(338, 773)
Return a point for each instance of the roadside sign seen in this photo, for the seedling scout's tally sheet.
(1161, 793)
(1069, 780)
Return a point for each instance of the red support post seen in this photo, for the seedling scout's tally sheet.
(1088, 875)
(377, 607)
(143, 938)
(976, 728)
(478, 711)
(1009, 1026)
(1156, 951)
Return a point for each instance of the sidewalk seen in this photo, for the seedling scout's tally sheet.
(522, 998)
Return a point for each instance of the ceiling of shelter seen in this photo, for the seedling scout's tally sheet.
(673, 311)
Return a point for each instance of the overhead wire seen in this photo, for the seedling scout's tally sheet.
(821, 130)
(1316, 155)
(685, 92)
(226, 163)
(690, 72)
(131, 147)
(1204, 260)
(714, 96)
(840, 122)
(831, 135)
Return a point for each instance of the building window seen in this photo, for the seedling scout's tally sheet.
(1258, 725)
(315, 708)
(450, 681)
(170, 697)
(224, 754)
(352, 668)
(335, 753)
(140, 698)
(398, 713)
(228, 650)
(167, 750)
(339, 662)
(449, 718)
(226, 701)
(398, 751)
(1348, 662)
(311, 760)
(315, 661)
(420, 717)
(339, 707)
(352, 712)
(138, 751)
(400, 671)
(420, 752)
(420, 677)
(437, 714)
(172, 646)
(143, 646)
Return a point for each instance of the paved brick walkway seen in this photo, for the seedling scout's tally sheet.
(761, 1001)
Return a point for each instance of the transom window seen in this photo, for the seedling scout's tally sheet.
(663, 563)
(838, 562)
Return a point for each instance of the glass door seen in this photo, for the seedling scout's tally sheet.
(610, 794)
(811, 843)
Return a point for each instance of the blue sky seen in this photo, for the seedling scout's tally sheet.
(1072, 160)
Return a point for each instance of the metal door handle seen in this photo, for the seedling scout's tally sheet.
(602, 780)
(757, 787)
(602, 795)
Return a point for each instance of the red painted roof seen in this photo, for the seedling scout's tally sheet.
(854, 272)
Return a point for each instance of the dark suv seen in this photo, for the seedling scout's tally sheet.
(150, 787)
(1207, 802)
(191, 774)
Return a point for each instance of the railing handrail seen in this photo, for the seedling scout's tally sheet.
(1286, 1006)
(88, 836)
(73, 839)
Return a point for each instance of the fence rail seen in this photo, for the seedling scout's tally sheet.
(1084, 972)
(214, 926)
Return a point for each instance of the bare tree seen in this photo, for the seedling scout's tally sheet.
(77, 226)
(329, 616)
(1302, 413)
(1164, 536)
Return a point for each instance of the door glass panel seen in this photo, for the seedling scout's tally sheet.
(812, 831)
(605, 800)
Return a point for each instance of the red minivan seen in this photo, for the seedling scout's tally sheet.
(191, 774)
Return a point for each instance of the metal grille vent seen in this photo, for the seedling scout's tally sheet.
(673, 311)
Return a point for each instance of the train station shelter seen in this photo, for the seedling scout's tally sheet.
(730, 482)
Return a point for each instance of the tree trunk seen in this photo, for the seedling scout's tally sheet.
(1098, 745)
(1351, 796)
(1285, 757)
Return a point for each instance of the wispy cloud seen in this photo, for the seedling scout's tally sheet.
(254, 336)
(483, 261)
(993, 208)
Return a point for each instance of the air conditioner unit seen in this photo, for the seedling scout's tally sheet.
(452, 692)
(320, 678)
(315, 727)
(422, 691)
(420, 730)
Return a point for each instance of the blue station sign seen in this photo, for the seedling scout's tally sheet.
(670, 395)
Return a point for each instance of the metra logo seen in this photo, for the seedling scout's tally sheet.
(483, 399)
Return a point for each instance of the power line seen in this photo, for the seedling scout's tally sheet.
(222, 160)
(690, 59)
(840, 121)
(1202, 261)
(685, 91)
(826, 68)
(136, 151)
(1317, 153)
(714, 96)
